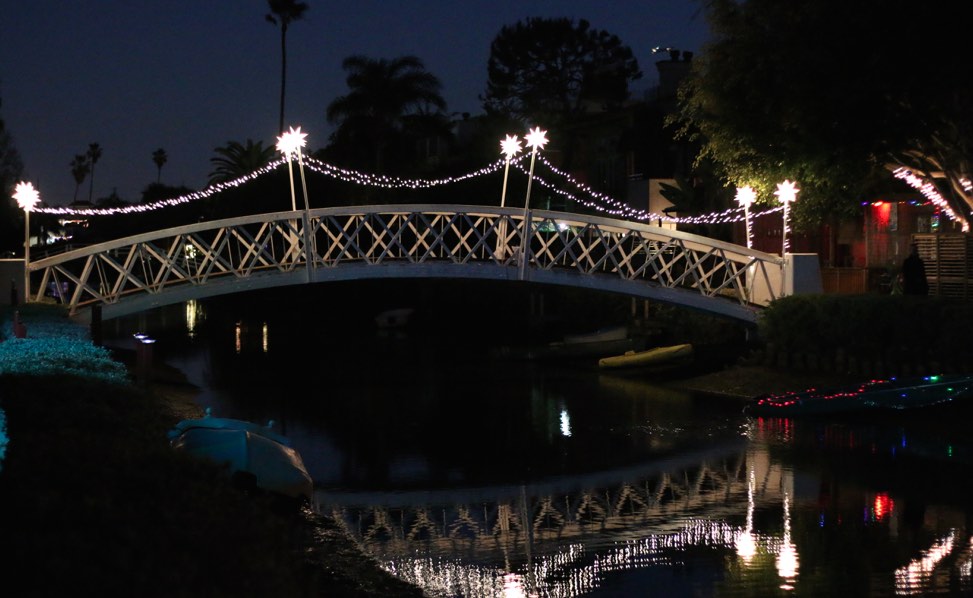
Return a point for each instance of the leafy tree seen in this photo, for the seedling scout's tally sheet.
(390, 103)
(79, 170)
(94, 154)
(283, 13)
(551, 70)
(160, 158)
(235, 160)
(11, 169)
(826, 94)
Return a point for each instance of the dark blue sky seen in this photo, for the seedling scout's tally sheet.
(190, 75)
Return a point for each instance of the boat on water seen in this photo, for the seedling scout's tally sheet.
(655, 356)
(880, 395)
(257, 457)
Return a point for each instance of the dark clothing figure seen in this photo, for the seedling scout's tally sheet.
(914, 274)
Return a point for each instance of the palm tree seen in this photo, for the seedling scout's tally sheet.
(94, 153)
(159, 157)
(79, 170)
(284, 12)
(235, 160)
(386, 98)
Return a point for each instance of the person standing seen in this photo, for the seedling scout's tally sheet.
(914, 274)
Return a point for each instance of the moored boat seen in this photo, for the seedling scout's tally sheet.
(880, 395)
(256, 457)
(655, 356)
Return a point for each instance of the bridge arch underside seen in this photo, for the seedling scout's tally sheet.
(606, 283)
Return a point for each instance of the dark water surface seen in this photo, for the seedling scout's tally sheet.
(470, 475)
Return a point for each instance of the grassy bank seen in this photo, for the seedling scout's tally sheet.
(93, 499)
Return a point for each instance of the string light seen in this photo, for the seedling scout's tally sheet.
(787, 193)
(931, 193)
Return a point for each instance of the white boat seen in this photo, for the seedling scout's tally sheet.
(655, 356)
(256, 457)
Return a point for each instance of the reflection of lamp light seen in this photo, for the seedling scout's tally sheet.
(745, 543)
(509, 147)
(27, 197)
(745, 197)
(536, 139)
(787, 557)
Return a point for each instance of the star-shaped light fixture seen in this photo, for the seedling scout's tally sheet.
(510, 146)
(291, 142)
(27, 197)
(536, 139)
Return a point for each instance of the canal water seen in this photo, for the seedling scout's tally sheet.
(472, 474)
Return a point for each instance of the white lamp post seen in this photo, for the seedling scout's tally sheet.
(509, 147)
(27, 197)
(290, 143)
(787, 193)
(745, 197)
(536, 139)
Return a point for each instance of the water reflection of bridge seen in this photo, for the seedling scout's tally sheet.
(540, 527)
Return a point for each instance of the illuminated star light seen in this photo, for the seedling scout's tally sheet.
(290, 142)
(786, 191)
(536, 138)
(746, 196)
(27, 197)
(510, 146)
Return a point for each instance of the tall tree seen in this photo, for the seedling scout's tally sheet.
(235, 160)
(11, 169)
(826, 93)
(160, 158)
(94, 154)
(388, 101)
(283, 13)
(551, 70)
(79, 170)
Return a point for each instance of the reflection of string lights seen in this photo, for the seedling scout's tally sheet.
(911, 578)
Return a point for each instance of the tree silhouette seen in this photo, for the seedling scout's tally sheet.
(94, 153)
(160, 158)
(552, 70)
(283, 13)
(235, 160)
(79, 170)
(387, 100)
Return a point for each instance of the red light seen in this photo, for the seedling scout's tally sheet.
(882, 506)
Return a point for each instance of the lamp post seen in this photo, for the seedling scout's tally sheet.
(290, 143)
(27, 197)
(745, 197)
(509, 147)
(536, 139)
(787, 193)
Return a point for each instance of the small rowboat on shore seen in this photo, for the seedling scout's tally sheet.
(649, 357)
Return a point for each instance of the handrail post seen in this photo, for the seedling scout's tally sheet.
(524, 243)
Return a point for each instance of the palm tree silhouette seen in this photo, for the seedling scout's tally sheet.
(79, 170)
(385, 97)
(160, 158)
(94, 153)
(235, 160)
(284, 12)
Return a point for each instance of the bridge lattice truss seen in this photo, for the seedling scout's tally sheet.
(454, 241)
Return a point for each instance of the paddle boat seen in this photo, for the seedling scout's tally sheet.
(888, 395)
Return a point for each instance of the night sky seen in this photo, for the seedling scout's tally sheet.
(190, 75)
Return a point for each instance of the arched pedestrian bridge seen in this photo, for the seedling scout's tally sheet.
(153, 269)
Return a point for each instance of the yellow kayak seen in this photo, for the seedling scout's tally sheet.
(649, 357)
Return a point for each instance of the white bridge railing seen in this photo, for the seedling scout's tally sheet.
(393, 241)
